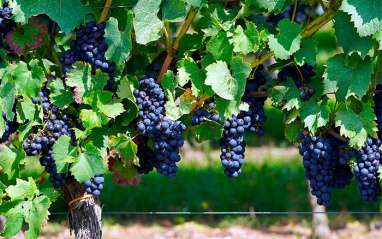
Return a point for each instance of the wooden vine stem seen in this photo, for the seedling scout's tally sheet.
(85, 216)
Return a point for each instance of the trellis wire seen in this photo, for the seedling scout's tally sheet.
(129, 6)
(222, 213)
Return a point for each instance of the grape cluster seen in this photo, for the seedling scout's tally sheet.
(378, 109)
(232, 146)
(90, 47)
(95, 185)
(287, 14)
(147, 159)
(255, 117)
(10, 126)
(301, 77)
(6, 24)
(210, 114)
(165, 133)
(366, 170)
(319, 160)
(44, 140)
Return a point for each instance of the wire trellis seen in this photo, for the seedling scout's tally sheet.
(221, 213)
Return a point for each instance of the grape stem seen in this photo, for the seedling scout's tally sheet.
(310, 31)
(167, 33)
(337, 135)
(52, 51)
(192, 13)
(294, 11)
(104, 11)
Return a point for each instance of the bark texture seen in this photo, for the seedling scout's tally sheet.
(320, 221)
(85, 216)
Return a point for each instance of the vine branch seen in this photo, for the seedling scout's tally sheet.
(191, 15)
(104, 11)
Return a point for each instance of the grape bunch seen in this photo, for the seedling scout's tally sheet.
(342, 171)
(90, 47)
(287, 14)
(147, 159)
(377, 98)
(165, 133)
(10, 126)
(210, 114)
(232, 147)
(6, 23)
(95, 185)
(255, 117)
(319, 160)
(301, 77)
(366, 170)
(43, 142)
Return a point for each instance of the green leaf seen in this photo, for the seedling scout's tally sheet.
(247, 40)
(27, 204)
(124, 147)
(29, 82)
(208, 130)
(27, 110)
(169, 83)
(11, 156)
(271, 6)
(292, 130)
(378, 36)
(84, 82)
(147, 25)
(366, 15)
(286, 91)
(197, 3)
(356, 126)
(189, 43)
(220, 47)
(63, 151)
(240, 73)
(88, 162)
(60, 95)
(92, 119)
(67, 13)
(131, 112)
(348, 38)
(100, 139)
(7, 96)
(189, 70)
(307, 53)
(29, 35)
(126, 87)
(51, 193)
(119, 43)
(102, 102)
(287, 41)
(315, 115)
(219, 77)
(173, 11)
(350, 75)
(174, 111)
(227, 108)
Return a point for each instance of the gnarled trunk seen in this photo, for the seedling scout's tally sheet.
(85, 216)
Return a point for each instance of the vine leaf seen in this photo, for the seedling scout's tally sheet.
(315, 115)
(27, 204)
(175, 111)
(169, 83)
(124, 147)
(7, 96)
(366, 15)
(307, 53)
(292, 130)
(220, 47)
(377, 36)
(123, 173)
(29, 35)
(271, 6)
(351, 75)
(219, 77)
(119, 43)
(27, 110)
(197, 3)
(60, 95)
(88, 162)
(173, 11)
(11, 156)
(64, 153)
(356, 126)
(84, 82)
(67, 13)
(247, 40)
(208, 130)
(286, 91)
(29, 82)
(147, 25)
(347, 36)
(287, 41)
